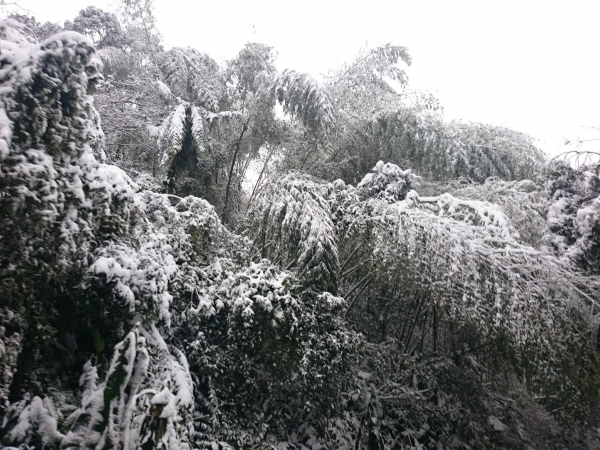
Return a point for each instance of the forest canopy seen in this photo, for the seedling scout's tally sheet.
(196, 255)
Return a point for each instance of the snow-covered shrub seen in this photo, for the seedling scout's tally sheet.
(573, 214)
(145, 181)
(57, 202)
(34, 423)
(75, 231)
(261, 346)
(106, 411)
(523, 202)
(388, 181)
(165, 239)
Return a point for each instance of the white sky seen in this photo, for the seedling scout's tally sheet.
(531, 65)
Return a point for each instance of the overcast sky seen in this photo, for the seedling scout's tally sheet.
(531, 65)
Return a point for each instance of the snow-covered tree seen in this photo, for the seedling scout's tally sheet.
(101, 27)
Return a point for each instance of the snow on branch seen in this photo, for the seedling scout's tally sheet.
(303, 98)
(294, 219)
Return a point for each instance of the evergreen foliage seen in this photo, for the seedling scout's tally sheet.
(142, 309)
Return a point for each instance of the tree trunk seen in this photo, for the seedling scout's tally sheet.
(235, 153)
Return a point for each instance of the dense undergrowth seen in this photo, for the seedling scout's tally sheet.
(331, 306)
